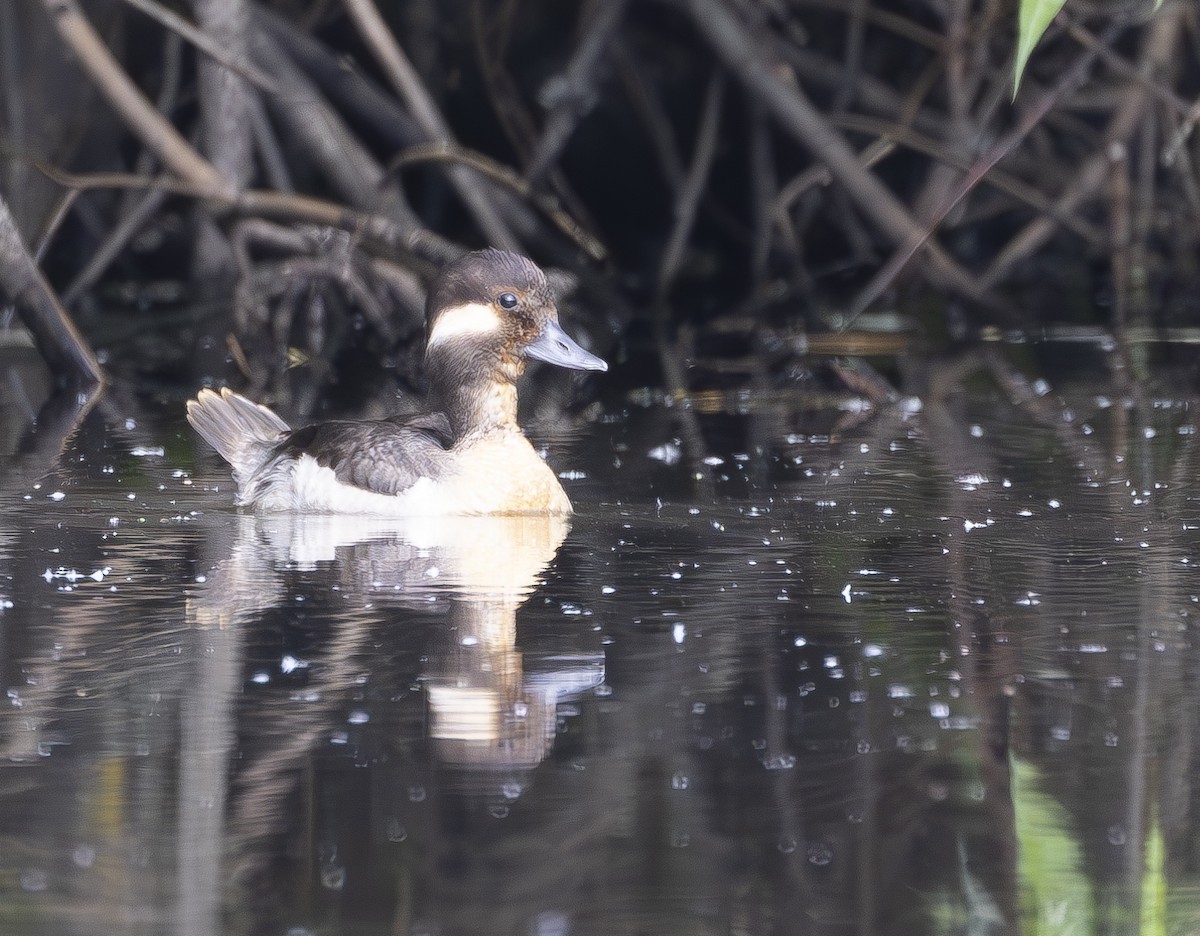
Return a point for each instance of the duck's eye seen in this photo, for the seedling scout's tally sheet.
(507, 301)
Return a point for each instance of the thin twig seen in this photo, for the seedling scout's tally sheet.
(151, 127)
(206, 44)
(378, 230)
(978, 171)
(688, 200)
(1158, 49)
(570, 95)
(62, 346)
(407, 82)
(742, 53)
(485, 165)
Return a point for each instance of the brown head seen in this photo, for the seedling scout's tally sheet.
(486, 313)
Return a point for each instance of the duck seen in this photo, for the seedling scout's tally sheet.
(487, 314)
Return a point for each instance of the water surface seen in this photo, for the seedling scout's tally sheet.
(930, 671)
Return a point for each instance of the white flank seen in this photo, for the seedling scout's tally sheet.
(316, 488)
(474, 318)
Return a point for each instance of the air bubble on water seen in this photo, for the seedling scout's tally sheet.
(780, 762)
(511, 790)
(396, 831)
(680, 781)
(820, 854)
(1117, 835)
(83, 855)
(499, 811)
(358, 717)
(34, 880)
(416, 794)
(787, 844)
(333, 876)
(551, 923)
(668, 453)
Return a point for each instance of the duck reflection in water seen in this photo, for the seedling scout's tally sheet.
(490, 706)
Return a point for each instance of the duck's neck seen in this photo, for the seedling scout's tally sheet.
(477, 397)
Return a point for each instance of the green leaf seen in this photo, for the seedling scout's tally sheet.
(1154, 884)
(1034, 17)
(1056, 895)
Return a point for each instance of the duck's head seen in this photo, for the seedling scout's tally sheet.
(489, 311)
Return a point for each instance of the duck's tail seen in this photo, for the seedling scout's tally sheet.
(244, 433)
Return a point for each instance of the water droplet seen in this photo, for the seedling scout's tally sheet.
(83, 855)
(333, 876)
(551, 923)
(820, 854)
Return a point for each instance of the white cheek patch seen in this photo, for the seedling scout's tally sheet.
(474, 318)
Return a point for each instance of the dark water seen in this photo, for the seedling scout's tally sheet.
(927, 672)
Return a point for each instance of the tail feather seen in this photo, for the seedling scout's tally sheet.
(244, 433)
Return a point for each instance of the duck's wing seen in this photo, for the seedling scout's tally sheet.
(385, 456)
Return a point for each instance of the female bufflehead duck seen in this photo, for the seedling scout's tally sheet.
(486, 313)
